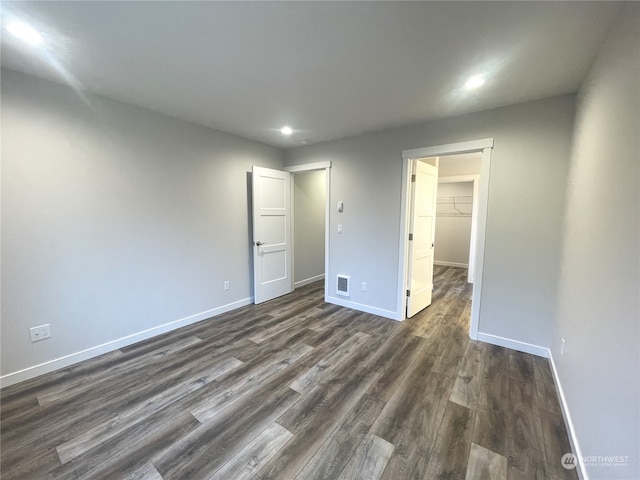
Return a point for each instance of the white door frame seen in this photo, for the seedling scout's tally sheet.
(308, 167)
(475, 179)
(484, 145)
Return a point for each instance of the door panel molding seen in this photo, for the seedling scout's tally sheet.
(272, 245)
(424, 186)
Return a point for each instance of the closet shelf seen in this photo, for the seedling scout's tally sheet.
(454, 206)
(456, 199)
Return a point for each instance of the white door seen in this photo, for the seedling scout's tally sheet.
(424, 185)
(272, 275)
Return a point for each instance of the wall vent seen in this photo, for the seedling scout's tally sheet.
(342, 285)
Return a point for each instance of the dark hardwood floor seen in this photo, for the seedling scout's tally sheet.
(295, 389)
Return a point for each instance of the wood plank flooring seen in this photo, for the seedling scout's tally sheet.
(295, 389)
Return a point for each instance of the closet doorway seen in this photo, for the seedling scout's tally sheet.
(310, 196)
(456, 230)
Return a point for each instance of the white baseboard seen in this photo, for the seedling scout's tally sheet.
(546, 353)
(363, 308)
(514, 344)
(309, 280)
(56, 364)
(573, 439)
(451, 264)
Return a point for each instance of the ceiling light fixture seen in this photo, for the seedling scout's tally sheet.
(474, 82)
(286, 130)
(26, 33)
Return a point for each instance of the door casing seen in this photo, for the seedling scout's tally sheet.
(484, 145)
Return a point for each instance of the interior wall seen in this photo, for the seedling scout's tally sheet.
(453, 231)
(598, 303)
(525, 210)
(309, 226)
(461, 164)
(115, 220)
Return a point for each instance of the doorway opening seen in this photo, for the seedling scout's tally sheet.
(308, 203)
(484, 147)
(310, 188)
(457, 211)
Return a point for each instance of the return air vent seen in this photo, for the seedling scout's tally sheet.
(343, 285)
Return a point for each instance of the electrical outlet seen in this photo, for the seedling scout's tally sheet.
(227, 285)
(40, 333)
(562, 347)
(364, 286)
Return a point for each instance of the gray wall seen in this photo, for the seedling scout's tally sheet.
(598, 309)
(525, 211)
(114, 219)
(309, 224)
(453, 233)
(464, 164)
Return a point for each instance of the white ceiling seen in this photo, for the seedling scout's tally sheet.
(327, 69)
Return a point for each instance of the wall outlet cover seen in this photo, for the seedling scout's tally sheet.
(40, 333)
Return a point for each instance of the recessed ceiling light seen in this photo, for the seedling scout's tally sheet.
(286, 130)
(474, 82)
(26, 33)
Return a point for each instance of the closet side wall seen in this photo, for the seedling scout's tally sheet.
(453, 224)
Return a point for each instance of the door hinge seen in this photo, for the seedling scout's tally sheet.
(410, 236)
(413, 177)
(408, 293)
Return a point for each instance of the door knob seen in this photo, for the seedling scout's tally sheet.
(259, 243)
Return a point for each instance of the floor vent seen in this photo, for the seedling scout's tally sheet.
(343, 285)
